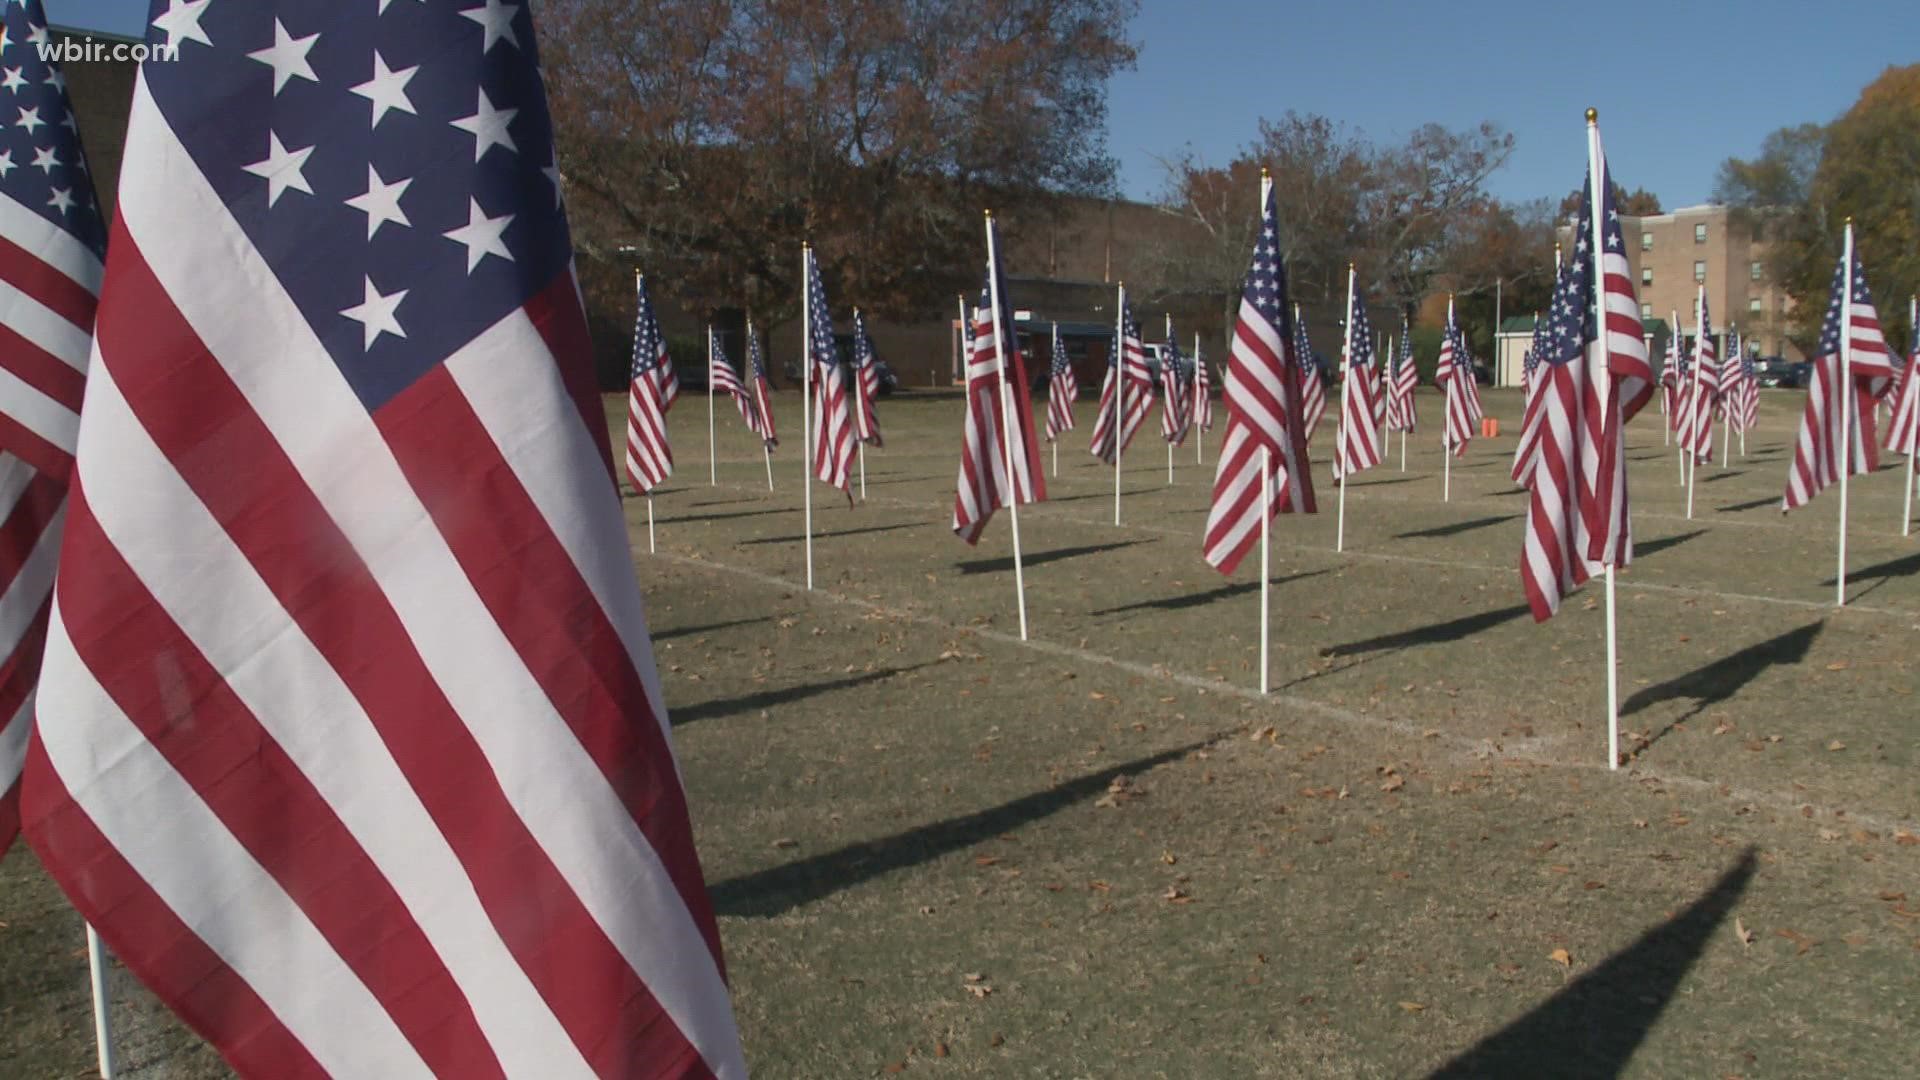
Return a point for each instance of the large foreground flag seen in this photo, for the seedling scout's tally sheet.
(1594, 377)
(1819, 449)
(999, 457)
(350, 741)
(1262, 395)
(51, 243)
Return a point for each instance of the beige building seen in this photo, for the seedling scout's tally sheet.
(1676, 253)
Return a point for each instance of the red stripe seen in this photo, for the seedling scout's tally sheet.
(27, 445)
(259, 793)
(44, 282)
(41, 369)
(149, 939)
(26, 523)
(199, 419)
(568, 342)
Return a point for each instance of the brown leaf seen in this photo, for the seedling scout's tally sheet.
(1905, 838)
(1740, 931)
(997, 1040)
(1174, 895)
(1561, 957)
(1840, 665)
(896, 1067)
(1802, 943)
(1394, 783)
(1413, 1006)
(940, 1049)
(1836, 745)
(985, 860)
(1097, 695)
(784, 842)
(1892, 897)
(1592, 885)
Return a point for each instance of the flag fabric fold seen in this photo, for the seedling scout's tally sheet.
(1127, 376)
(1594, 378)
(1262, 398)
(1406, 380)
(1903, 429)
(1454, 374)
(1534, 417)
(727, 381)
(1702, 402)
(760, 417)
(833, 425)
(1176, 404)
(1313, 383)
(1819, 450)
(349, 507)
(1360, 434)
(1063, 386)
(652, 388)
(1202, 417)
(866, 383)
(999, 460)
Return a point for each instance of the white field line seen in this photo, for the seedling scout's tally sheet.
(1461, 749)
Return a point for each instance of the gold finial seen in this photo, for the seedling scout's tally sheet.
(1593, 115)
(1349, 266)
(1264, 174)
(1849, 219)
(989, 214)
(1556, 247)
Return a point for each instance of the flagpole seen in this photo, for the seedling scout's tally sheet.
(1340, 427)
(767, 419)
(1266, 555)
(1674, 342)
(1666, 425)
(1693, 399)
(1726, 407)
(1003, 351)
(1119, 392)
(1199, 432)
(1594, 194)
(1913, 413)
(1163, 388)
(1847, 399)
(651, 547)
(713, 465)
(1056, 438)
(806, 397)
(860, 391)
(1446, 428)
(102, 1025)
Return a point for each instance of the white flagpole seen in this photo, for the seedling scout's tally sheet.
(1726, 405)
(1199, 433)
(1340, 427)
(1056, 438)
(1674, 343)
(1666, 426)
(102, 1025)
(651, 547)
(1446, 428)
(713, 466)
(765, 450)
(860, 394)
(1266, 500)
(1847, 399)
(1693, 399)
(1002, 349)
(1913, 414)
(806, 397)
(1600, 315)
(1119, 392)
(1163, 388)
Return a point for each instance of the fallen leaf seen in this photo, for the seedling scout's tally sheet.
(1096, 695)
(1836, 745)
(1840, 665)
(939, 1049)
(1174, 895)
(1561, 957)
(1592, 885)
(1169, 858)
(1892, 897)
(1722, 728)
(783, 842)
(997, 1040)
(1802, 943)
(1740, 931)
(1905, 838)
(985, 860)
(1413, 1006)
(896, 1067)
(1394, 783)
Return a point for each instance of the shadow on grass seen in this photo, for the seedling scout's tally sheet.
(1720, 680)
(1041, 558)
(1652, 547)
(1510, 491)
(1456, 528)
(1593, 1026)
(767, 699)
(1179, 603)
(1727, 475)
(724, 502)
(780, 889)
(1754, 504)
(1904, 566)
(708, 628)
(1437, 634)
(727, 516)
(799, 537)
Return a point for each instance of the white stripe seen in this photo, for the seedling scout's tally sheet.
(15, 475)
(13, 744)
(29, 588)
(323, 428)
(50, 243)
(175, 547)
(37, 412)
(44, 328)
(184, 853)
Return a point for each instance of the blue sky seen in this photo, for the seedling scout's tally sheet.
(1680, 84)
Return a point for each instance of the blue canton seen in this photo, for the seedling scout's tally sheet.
(42, 166)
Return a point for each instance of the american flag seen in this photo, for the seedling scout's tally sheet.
(866, 383)
(1817, 451)
(833, 425)
(1703, 392)
(1672, 378)
(1360, 435)
(995, 456)
(1530, 361)
(1406, 380)
(761, 420)
(50, 262)
(726, 381)
(1313, 384)
(352, 745)
(1202, 391)
(1262, 395)
(1062, 387)
(1903, 430)
(1455, 376)
(651, 389)
(1594, 378)
(1533, 421)
(1743, 386)
(1128, 362)
(1176, 406)
(649, 342)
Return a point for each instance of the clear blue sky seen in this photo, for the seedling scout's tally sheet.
(1680, 84)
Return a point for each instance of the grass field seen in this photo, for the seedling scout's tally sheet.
(937, 849)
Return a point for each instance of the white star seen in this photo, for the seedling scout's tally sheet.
(30, 119)
(14, 80)
(181, 22)
(377, 314)
(481, 235)
(381, 203)
(281, 169)
(497, 19)
(387, 89)
(62, 199)
(6, 163)
(57, 81)
(287, 57)
(45, 159)
(553, 177)
(488, 126)
(36, 35)
(384, 3)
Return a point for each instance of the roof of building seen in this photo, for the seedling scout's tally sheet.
(97, 35)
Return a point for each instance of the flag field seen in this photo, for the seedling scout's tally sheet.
(936, 849)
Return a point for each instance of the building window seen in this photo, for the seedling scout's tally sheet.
(1646, 311)
(1700, 234)
(1646, 241)
(1700, 271)
(1646, 275)
(1754, 271)
(1753, 306)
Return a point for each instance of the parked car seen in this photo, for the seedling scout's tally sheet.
(1773, 371)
